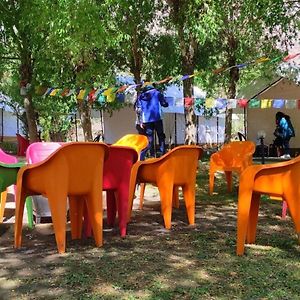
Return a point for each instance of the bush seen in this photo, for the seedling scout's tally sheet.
(9, 147)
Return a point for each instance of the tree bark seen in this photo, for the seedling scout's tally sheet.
(233, 79)
(26, 78)
(188, 48)
(137, 58)
(188, 66)
(85, 111)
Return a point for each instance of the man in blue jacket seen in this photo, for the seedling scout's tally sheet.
(149, 117)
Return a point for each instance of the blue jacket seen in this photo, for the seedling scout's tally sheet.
(285, 128)
(149, 105)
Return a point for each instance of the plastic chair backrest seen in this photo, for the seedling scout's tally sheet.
(234, 153)
(35, 153)
(136, 141)
(177, 167)
(6, 158)
(39, 151)
(76, 170)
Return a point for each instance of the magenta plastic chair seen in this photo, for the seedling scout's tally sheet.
(37, 152)
(7, 159)
(116, 178)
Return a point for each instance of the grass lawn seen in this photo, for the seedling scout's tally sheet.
(152, 263)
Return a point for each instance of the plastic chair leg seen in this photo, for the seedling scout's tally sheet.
(166, 196)
(58, 208)
(29, 212)
(228, 175)
(244, 204)
(142, 192)
(175, 200)
(111, 207)
(189, 199)
(122, 200)
(211, 182)
(253, 217)
(95, 212)
(19, 219)
(2, 205)
(284, 209)
(76, 209)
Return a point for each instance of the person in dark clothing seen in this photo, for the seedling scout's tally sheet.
(283, 133)
(149, 118)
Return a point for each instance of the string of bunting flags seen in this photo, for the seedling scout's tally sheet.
(126, 93)
(210, 107)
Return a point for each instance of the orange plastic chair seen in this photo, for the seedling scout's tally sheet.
(74, 170)
(233, 157)
(278, 180)
(136, 141)
(176, 168)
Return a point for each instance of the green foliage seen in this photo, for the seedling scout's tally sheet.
(78, 44)
(9, 147)
(204, 111)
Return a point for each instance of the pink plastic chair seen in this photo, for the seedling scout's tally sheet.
(37, 152)
(7, 159)
(116, 178)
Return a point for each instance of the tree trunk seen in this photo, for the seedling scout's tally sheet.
(85, 111)
(31, 119)
(190, 116)
(188, 66)
(26, 78)
(233, 79)
(137, 58)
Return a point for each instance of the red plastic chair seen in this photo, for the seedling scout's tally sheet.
(116, 178)
(23, 144)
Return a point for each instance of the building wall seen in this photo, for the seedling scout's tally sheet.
(264, 119)
(8, 127)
